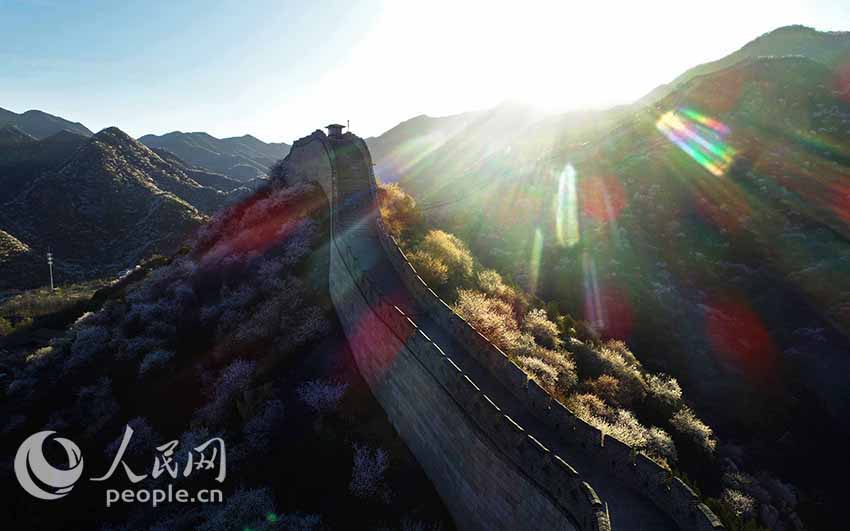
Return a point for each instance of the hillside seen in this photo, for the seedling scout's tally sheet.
(435, 156)
(110, 204)
(12, 136)
(23, 158)
(234, 339)
(39, 124)
(831, 49)
(240, 158)
(398, 148)
(17, 261)
(709, 231)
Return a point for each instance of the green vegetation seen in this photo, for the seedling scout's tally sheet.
(18, 311)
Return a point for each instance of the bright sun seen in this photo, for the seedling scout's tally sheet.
(465, 55)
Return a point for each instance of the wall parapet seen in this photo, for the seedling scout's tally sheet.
(562, 483)
(550, 472)
(353, 210)
(637, 470)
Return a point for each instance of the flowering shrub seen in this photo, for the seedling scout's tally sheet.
(233, 379)
(539, 371)
(664, 388)
(320, 395)
(623, 425)
(155, 360)
(432, 270)
(367, 474)
(605, 387)
(490, 282)
(741, 504)
(450, 250)
(491, 316)
(614, 359)
(545, 332)
(259, 429)
(88, 343)
(687, 423)
(96, 405)
(398, 209)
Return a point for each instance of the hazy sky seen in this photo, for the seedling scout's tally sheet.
(279, 70)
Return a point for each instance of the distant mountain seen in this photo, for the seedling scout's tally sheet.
(39, 124)
(241, 158)
(201, 176)
(398, 148)
(111, 203)
(830, 48)
(23, 158)
(11, 135)
(436, 158)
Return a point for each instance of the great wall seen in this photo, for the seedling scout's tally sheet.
(500, 452)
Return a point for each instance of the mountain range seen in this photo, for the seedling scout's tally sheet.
(241, 158)
(706, 224)
(99, 203)
(102, 201)
(39, 124)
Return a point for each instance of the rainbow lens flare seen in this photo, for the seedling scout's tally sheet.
(566, 208)
(700, 136)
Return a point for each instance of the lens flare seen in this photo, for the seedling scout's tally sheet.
(566, 208)
(594, 311)
(602, 198)
(700, 137)
(536, 257)
(738, 334)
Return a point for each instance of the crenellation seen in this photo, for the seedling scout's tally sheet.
(538, 398)
(590, 494)
(618, 454)
(680, 491)
(515, 378)
(586, 436)
(708, 515)
(561, 419)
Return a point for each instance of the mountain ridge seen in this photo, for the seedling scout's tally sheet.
(827, 47)
(40, 124)
(240, 158)
(112, 203)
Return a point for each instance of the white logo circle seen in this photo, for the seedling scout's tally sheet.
(30, 461)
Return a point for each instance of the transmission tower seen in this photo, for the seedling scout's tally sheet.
(50, 265)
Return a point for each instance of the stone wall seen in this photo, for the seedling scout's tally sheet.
(490, 473)
(670, 494)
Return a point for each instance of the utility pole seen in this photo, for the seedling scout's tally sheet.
(50, 265)
(348, 125)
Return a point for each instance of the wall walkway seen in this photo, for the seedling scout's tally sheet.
(499, 451)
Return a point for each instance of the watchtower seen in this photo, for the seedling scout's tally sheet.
(335, 130)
